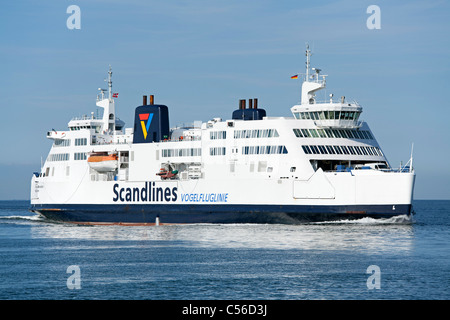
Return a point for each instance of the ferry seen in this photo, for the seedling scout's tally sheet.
(322, 163)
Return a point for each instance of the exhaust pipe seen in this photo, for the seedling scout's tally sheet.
(252, 104)
(151, 99)
(242, 104)
(144, 100)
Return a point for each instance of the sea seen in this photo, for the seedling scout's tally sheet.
(367, 259)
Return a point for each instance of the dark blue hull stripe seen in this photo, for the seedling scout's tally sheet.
(175, 213)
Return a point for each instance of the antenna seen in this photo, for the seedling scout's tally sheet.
(109, 82)
(308, 56)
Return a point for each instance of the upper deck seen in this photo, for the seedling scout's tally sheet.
(327, 135)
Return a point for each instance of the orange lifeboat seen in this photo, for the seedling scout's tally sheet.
(103, 162)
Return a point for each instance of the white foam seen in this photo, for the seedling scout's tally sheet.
(401, 219)
(28, 218)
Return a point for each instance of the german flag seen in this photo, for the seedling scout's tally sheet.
(295, 77)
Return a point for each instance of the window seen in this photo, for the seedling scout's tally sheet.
(298, 133)
(352, 151)
(306, 150)
(347, 116)
(337, 149)
(350, 134)
(329, 133)
(337, 134)
(314, 149)
(58, 157)
(344, 133)
(61, 142)
(81, 141)
(351, 115)
(336, 115)
(186, 152)
(331, 115)
(314, 133)
(364, 151)
(79, 156)
(359, 134)
(321, 115)
(306, 133)
(330, 150)
(322, 133)
(264, 150)
(214, 135)
(322, 150)
(270, 133)
(349, 150)
(220, 151)
(256, 133)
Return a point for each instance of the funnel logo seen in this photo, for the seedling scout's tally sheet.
(145, 125)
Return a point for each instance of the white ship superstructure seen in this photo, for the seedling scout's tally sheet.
(321, 163)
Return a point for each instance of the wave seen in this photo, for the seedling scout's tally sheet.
(401, 219)
(26, 218)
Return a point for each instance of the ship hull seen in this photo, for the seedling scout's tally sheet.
(184, 214)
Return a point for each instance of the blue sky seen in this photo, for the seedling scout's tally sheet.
(200, 57)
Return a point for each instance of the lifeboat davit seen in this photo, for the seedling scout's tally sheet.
(165, 174)
(103, 162)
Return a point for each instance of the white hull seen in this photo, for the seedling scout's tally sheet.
(345, 188)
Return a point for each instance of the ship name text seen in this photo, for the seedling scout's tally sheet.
(148, 193)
